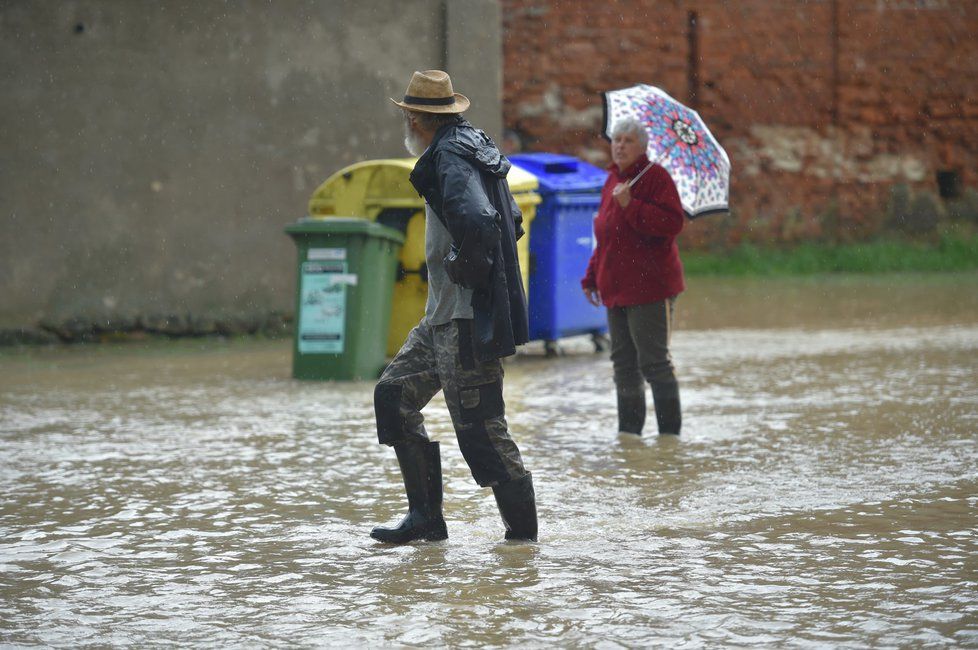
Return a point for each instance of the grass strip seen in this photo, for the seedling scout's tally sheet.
(951, 252)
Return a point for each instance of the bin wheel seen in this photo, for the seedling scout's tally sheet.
(601, 342)
(551, 349)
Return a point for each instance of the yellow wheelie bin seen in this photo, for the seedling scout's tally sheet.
(381, 190)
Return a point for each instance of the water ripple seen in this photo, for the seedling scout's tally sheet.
(822, 494)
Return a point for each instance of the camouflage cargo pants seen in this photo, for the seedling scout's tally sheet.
(437, 358)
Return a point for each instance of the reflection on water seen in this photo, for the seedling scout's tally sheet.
(823, 493)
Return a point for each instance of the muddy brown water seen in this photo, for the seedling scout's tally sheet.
(823, 494)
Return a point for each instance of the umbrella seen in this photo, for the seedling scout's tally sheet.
(680, 142)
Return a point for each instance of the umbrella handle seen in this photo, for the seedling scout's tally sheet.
(639, 175)
(649, 166)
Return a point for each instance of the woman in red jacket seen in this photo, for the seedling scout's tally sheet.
(636, 273)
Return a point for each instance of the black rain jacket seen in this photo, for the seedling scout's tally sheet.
(462, 176)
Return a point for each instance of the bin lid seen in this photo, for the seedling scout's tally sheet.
(369, 186)
(560, 173)
(521, 180)
(344, 226)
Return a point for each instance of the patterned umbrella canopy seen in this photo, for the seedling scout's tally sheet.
(680, 142)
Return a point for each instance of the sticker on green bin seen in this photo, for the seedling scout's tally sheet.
(326, 254)
(322, 316)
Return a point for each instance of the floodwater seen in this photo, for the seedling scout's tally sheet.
(824, 491)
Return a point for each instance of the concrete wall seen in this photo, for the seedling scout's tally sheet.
(151, 153)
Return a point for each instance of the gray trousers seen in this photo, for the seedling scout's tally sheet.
(640, 344)
(640, 352)
(441, 357)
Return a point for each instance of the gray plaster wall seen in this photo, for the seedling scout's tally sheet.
(152, 152)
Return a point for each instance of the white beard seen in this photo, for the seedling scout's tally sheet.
(412, 142)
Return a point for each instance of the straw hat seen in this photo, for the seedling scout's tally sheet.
(431, 92)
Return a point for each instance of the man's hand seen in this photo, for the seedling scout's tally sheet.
(593, 297)
(623, 194)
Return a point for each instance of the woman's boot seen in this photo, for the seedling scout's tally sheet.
(518, 506)
(668, 413)
(420, 464)
(631, 411)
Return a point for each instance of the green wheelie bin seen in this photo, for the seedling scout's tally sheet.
(345, 279)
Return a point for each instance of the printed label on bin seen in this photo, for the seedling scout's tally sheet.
(326, 254)
(322, 307)
(349, 279)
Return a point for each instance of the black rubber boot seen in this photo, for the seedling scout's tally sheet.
(668, 413)
(631, 412)
(420, 464)
(518, 506)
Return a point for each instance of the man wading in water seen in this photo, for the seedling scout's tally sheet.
(474, 316)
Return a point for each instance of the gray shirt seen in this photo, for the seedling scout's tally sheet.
(446, 300)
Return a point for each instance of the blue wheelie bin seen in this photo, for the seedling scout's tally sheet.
(561, 243)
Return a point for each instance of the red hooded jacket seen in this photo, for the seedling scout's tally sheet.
(636, 260)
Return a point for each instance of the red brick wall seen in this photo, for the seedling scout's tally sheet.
(817, 102)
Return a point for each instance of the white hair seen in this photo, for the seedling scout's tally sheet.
(432, 121)
(633, 126)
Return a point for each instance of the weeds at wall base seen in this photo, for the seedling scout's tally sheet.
(952, 250)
